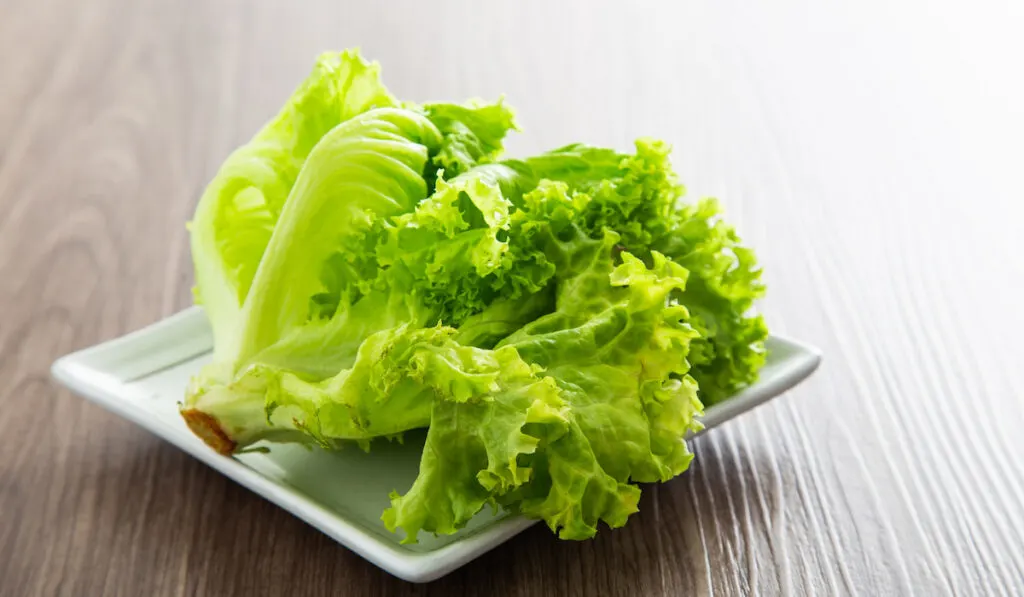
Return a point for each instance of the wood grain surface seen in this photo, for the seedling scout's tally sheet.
(871, 151)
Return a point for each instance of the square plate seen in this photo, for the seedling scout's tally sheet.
(142, 376)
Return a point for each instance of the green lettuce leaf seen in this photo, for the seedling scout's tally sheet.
(475, 439)
(389, 388)
(615, 408)
(455, 244)
(725, 283)
(362, 171)
(639, 197)
(239, 208)
(473, 133)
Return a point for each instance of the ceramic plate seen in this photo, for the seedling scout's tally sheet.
(142, 376)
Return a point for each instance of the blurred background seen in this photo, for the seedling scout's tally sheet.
(869, 151)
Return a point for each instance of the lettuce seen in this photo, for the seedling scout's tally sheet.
(615, 406)
(239, 209)
(555, 322)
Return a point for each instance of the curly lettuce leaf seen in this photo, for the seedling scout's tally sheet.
(475, 440)
(455, 245)
(614, 409)
(639, 197)
(479, 450)
(621, 357)
(473, 132)
(725, 283)
(504, 316)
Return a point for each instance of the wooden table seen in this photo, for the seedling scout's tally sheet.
(871, 151)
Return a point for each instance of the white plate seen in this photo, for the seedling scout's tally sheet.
(142, 376)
